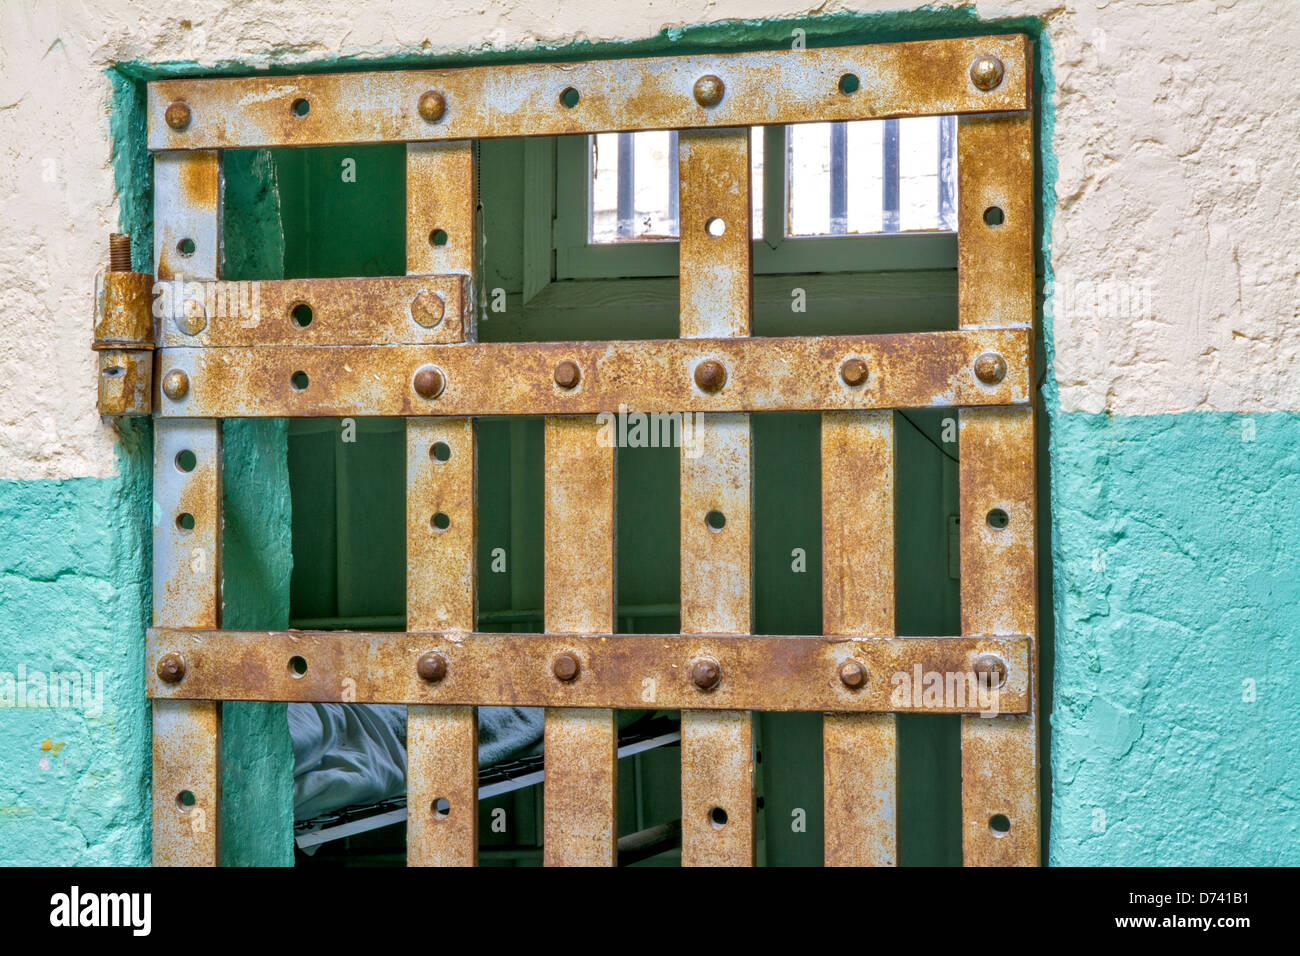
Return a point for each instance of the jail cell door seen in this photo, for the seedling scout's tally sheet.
(406, 346)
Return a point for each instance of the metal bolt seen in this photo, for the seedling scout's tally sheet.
(986, 72)
(567, 374)
(566, 667)
(993, 666)
(428, 308)
(853, 675)
(710, 376)
(990, 368)
(854, 372)
(171, 668)
(119, 252)
(431, 667)
(177, 115)
(428, 382)
(176, 385)
(709, 90)
(432, 105)
(706, 673)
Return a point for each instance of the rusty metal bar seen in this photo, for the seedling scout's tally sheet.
(441, 741)
(187, 538)
(441, 516)
(758, 672)
(415, 309)
(716, 508)
(925, 78)
(858, 587)
(1000, 803)
(580, 818)
(916, 370)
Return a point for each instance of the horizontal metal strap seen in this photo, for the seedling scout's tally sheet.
(630, 671)
(927, 78)
(420, 309)
(916, 370)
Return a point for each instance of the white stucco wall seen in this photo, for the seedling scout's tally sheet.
(1176, 132)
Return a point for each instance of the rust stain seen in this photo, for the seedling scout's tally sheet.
(928, 77)
(581, 785)
(860, 751)
(916, 370)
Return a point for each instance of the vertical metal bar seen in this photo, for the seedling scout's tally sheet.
(858, 597)
(947, 172)
(1000, 801)
(441, 742)
(839, 217)
(716, 470)
(187, 532)
(889, 200)
(441, 525)
(626, 181)
(674, 194)
(581, 785)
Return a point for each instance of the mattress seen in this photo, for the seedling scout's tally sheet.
(345, 754)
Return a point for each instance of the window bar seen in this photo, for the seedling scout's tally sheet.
(839, 197)
(187, 533)
(858, 597)
(889, 178)
(580, 790)
(441, 586)
(947, 172)
(716, 506)
(626, 180)
(1000, 824)
(674, 194)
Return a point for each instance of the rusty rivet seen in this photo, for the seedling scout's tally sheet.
(171, 668)
(432, 105)
(853, 675)
(710, 376)
(709, 90)
(566, 667)
(854, 372)
(990, 368)
(176, 385)
(428, 308)
(177, 115)
(986, 72)
(706, 673)
(428, 382)
(994, 666)
(567, 374)
(431, 667)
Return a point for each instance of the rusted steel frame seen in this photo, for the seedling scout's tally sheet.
(441, 517)
(860, 751)
(717, 562)
(998, 502)
(580, 791)
(124, 341)
(995, 255)
(441, 741)
(916, 370)
(186, 540)
(417, 309)
(758, 672)
(925, 78)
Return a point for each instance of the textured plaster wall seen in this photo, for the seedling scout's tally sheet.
(1172, 276)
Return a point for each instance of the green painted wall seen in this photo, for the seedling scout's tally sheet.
(74, 598)
(1178, 607)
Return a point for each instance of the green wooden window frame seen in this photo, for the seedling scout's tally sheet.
(567, 173)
